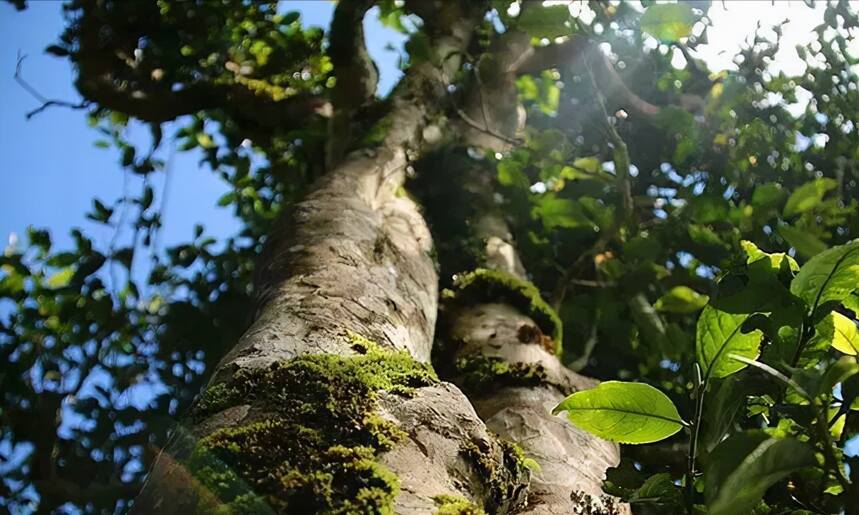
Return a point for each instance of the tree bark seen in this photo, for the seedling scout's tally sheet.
(328, 403)
(506, 361)
(348, 282)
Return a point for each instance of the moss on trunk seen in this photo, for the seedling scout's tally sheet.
(313, 435)
(485, 285)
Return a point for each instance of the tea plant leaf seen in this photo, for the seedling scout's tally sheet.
(623, 412)
(830, 276)
(719, 334)
(745, 465)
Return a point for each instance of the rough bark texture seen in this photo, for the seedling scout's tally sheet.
(507, 365)
(328, 402)
(353, 258)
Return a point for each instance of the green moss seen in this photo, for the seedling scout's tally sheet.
(478, 373)
(507, 479)
(215, 398)
(314, 449)
(456, 505)
(487, 285)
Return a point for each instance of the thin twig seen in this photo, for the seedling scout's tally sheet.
(488, 130)
(46, 103)
(591, 284)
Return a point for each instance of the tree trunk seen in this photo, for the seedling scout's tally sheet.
(329, 403)
(499, 343)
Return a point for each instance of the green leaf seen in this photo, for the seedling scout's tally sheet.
(57, 50)
(657, 489)
(768, 195)
(762, 287)
(560, 212)
(830, 276)
(545, 22)
(668, 22)
(631, 413)
(851, 302)
(204, 140)
(808, 196)
(227, 198)
(101, 213)
(11, 282)
(839, 372)
(805, 243)
(646, 319)
(127, 156)
(744, 466)
(722, 409)
(61, 278)
(777, 259)
(719, 334)
(510, 174)
(839, 332)
(290, 17)
(681, 299)
(147, 198)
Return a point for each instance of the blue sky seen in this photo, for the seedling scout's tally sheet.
(49, 168)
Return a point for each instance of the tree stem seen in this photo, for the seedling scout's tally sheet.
(700, 389)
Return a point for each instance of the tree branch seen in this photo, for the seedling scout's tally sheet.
(572, 51)
(355, 73)
(46, 103)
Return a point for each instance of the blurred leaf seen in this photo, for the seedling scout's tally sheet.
(668, 22)
(510, 174)
(808, 196)
(768, 195)
(805, 243)
(204, 140)
(560, 212)
(101, 214)
(647, 319)
(545, 21)
(681, 299)
(61, 278)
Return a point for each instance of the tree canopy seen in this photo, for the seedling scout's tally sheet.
(690, 234)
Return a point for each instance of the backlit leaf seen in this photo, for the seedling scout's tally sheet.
(830, 276)
(668, 22)
(838, 331)
(623, 412)
(61, 278)
(719, 334)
